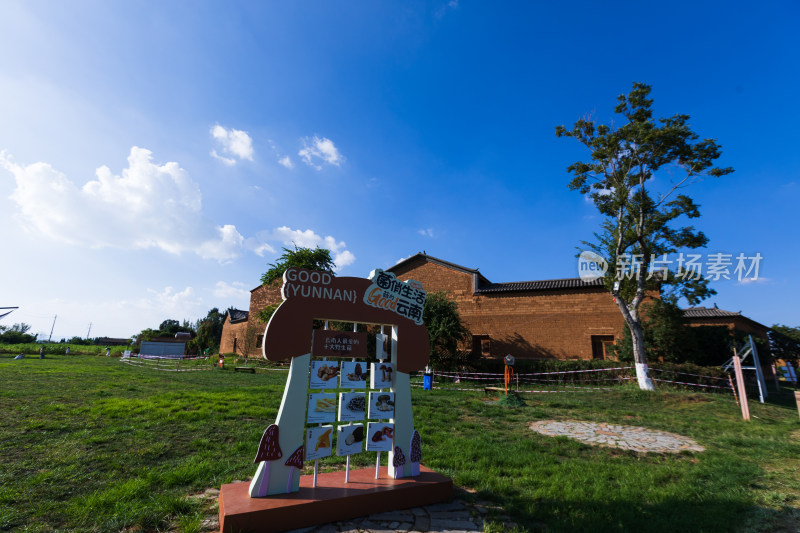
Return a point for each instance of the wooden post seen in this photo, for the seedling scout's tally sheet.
(737, 366)
(797, 399)
(775, 376)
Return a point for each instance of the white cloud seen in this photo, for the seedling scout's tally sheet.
(233, 142)
(286, 161)
(147, 206)
(322, 150)
(235, 290)
(426, 232)
(169, 301)
(287, 236)
(226, 160)
(226, 248)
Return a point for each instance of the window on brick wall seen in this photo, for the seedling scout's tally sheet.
(259, 341)
(482, 344)
(601, 346)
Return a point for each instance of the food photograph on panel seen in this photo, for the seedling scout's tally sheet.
(382, 375)
(380, 437)
(350, 439)
(318, 442)
(324, 374)
(321, 408)
(381, 405)
(352, 406)
(353, 375)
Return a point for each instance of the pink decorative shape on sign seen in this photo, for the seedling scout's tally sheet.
(294, 461)
(269, 450)
(398, 462)
(415, 455)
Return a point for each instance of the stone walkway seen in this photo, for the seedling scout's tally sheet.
(633, 438)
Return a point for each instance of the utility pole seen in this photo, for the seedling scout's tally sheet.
(90, 330)
(51, 329)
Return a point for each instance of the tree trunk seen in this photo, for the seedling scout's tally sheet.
(637, 336)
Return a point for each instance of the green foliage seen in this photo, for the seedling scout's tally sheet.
(447, 333)
(265, 314)
(316, 259)
(641, 213)
(785, 343)
(209, 332)
(16, 334)
(668, 338)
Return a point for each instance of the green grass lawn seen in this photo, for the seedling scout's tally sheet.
(90, 444)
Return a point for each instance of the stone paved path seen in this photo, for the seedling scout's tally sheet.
(633, 438)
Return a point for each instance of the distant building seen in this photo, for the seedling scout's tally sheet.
(735, 321)
(110, 341)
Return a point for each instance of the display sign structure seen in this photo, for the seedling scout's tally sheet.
(383, 418)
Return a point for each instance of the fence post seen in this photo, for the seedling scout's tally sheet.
(797, 399)
(737, 367)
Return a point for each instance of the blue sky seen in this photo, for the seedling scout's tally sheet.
(158, 155)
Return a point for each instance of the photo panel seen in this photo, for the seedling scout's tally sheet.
(324, 375)
(382, 375)
(382, 343)
(321, 407)
(353, 375)
(318, 442)
(380, 437)
(350, 439)
(352, 406)
(381, 405)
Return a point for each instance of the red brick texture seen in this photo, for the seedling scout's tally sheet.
(555, 323)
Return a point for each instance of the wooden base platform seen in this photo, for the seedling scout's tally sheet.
(331, 501)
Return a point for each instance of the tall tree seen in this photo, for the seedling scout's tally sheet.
(447, 332)
(312, 259)
(641, 225)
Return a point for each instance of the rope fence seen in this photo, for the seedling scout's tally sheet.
(576, 380)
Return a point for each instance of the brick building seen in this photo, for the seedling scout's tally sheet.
(560, 318)
(734, 321)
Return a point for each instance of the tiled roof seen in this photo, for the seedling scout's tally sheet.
(540, 285)
(708, 312)
(237, 315)
(481, 285)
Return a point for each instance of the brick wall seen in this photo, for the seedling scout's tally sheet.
(260, 297)
(546, 323)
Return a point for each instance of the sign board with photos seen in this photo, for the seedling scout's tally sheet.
(376, 415)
